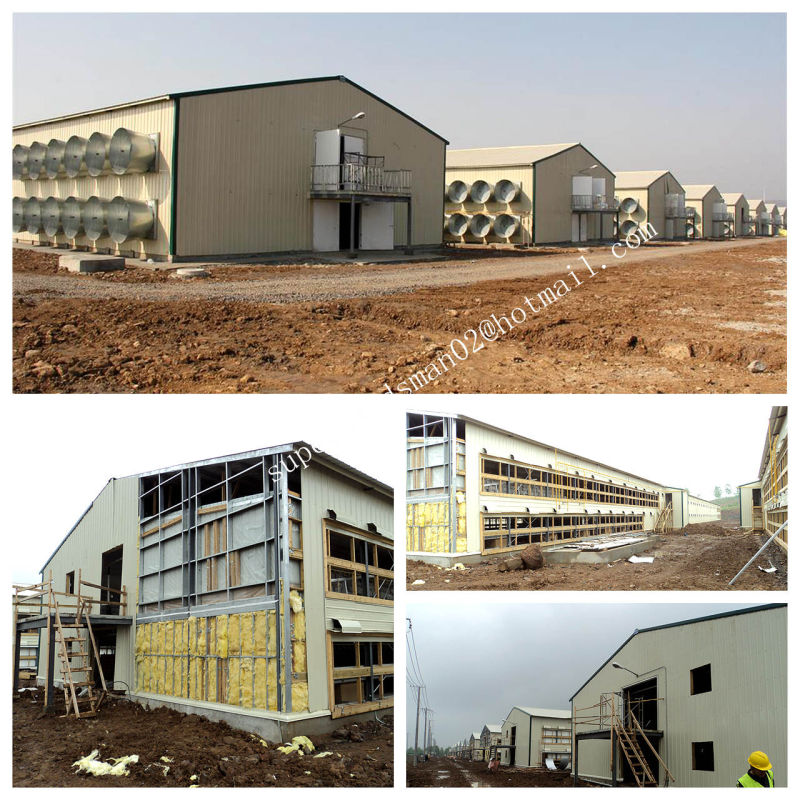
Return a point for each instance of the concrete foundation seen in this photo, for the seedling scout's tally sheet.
(556, 555)
(192, 272)
(446, 559)
(275, 728)
(89, 262)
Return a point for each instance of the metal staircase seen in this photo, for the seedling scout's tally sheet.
(81, 697)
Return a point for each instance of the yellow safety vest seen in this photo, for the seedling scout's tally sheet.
(752, 783)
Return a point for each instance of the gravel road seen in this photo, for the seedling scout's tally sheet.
(327, 282)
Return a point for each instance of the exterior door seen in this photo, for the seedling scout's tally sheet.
(377, 226)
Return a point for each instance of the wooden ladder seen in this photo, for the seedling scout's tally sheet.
(80, 696)
(629, 745)
(664, 516)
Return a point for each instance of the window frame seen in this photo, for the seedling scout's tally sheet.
(373, 572)
(359, 672)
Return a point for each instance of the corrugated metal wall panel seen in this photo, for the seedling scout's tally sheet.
(146, 118)
(745, 710)
(111, 521)
(245, 160)
(323, 489)
(554, 196)
(504, 446)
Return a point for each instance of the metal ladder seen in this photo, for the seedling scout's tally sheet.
(80, 696)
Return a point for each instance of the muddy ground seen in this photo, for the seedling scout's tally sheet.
(45, 747)
(684, 318)
(451, 772)
(706, 558)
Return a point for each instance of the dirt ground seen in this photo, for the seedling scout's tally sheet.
(45, 747)
(451, 772)
(705, 558)
(683, 318)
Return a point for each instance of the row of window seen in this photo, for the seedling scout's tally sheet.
(500, 532)
(501, 477)
(358, 567)
(551, 736)
(362, 671)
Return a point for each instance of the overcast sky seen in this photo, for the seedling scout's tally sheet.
(703, 95)
(480, 658)
(66, 448)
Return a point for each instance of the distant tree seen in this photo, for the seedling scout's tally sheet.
(728, 490)
(718, 492)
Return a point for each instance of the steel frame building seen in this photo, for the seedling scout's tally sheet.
(656, 199)
(532, 735)
(738, 206)
(561, 193)
(263, 589)
(764, 503)
(319, 164)
(473, 489)
(702, 710)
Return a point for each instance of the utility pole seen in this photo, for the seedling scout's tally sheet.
(425, 734)
(416, 731)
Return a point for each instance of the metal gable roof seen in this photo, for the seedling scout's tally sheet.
(638, 179)
(698, 191)
(732, 198)
(505, 156)
(708, 618)
(556, 713)
(199, 92)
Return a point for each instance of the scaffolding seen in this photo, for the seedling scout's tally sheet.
(68, 620)
(616, 718)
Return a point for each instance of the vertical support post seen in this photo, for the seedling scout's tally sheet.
(15, 665)
(49, 691)
(613, 759)
(416, 731)
(409, 219)
(17, 649)
(452, 459)
(352, 226)
(284, 582)
(575, 761)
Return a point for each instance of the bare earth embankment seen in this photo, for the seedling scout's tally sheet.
(707, 557)
(683, 318)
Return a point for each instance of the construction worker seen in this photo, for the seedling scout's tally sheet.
(760, 773)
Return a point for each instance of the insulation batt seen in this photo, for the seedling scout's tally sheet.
(91, 765)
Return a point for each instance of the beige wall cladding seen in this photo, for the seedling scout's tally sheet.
(109, 522)
(745, 709)
(546, 184)
(144, 118)
(703, 201)
(651, 194)
(245, 157)
(553, 213)
(504, 446)
(323, 488)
